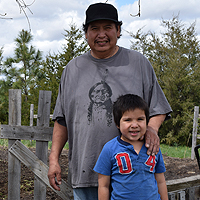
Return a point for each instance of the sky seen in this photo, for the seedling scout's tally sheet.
(49, 19)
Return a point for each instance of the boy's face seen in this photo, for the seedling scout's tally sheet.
(133, 125)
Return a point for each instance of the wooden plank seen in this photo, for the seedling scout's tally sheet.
(171, 196)
(181, 184)
(194, 132)
(14, 165)
(31, 114)
(39, 168)
(181, 195)
(51, 116)
(191, 193)
(26, 132)
(42, 146)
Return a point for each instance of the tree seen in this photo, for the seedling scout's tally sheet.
(22, 70)
(175, 56)
(3, 95)
(54, 64)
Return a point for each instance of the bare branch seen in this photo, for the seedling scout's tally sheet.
(138, 11)
(4, 17)
(23, 6)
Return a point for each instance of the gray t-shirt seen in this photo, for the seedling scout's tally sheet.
(87, 90)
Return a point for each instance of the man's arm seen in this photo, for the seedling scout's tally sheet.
(103, 187)
(152, 141)
(59, 139)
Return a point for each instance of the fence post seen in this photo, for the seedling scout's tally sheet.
(181, 195)
(42, 147)
(191, 193)
(31, 114)
(194, 132)
(171, 195)
(14, 165)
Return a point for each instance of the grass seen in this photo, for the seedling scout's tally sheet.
(172, 151)
(176, 151)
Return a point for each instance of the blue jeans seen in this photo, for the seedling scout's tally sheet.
(88, 193)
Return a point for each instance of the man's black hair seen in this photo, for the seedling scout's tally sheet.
(117, 25)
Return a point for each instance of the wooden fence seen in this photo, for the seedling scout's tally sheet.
(182, 189)
(18, 153)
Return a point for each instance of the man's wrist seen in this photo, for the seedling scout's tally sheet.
(53, 158)
(149, 127)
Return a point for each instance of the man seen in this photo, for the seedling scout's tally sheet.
(89, 85)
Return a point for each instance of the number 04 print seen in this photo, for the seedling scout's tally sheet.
(124, 163)
(151, 162)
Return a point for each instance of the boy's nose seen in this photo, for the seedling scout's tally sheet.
(134, 124)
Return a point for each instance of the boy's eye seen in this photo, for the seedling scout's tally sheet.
(141, 119)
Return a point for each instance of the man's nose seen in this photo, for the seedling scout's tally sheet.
(101, 32)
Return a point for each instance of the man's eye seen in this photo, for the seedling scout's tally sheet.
(108, 27)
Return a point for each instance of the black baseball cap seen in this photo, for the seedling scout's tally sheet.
(99, 11)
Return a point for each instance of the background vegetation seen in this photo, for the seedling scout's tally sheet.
(174, 54)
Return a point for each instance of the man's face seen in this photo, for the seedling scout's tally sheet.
(102, 38)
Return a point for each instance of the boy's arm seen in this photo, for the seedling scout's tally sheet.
(104, 187)
(162, 187)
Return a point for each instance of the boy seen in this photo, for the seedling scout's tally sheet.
(124, 164)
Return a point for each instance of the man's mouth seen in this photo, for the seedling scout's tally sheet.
(101, 42)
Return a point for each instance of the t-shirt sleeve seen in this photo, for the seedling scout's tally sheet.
(152, 92)
(160, 165)
(58, 110)
(103, 164)
(159, 103)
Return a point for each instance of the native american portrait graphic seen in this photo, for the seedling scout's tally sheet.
(100, 103)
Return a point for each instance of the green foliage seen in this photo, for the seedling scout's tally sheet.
(54, 64)
(20, 72)
(175, 56)
(1, 57)
(27, 71)
(176, 151)
(3, 94)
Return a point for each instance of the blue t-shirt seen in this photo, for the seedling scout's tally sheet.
(132, 174)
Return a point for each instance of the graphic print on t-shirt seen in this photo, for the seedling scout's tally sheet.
(124, 163)
(100, 103)
(151, 162)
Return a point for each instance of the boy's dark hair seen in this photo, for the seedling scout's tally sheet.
(126, 103)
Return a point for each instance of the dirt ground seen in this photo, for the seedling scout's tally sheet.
(176, 168)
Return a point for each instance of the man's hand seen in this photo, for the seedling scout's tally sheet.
(152, 141)
(54, 175)
(58, 141)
